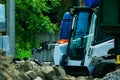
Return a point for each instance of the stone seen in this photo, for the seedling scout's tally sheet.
(38, 78)
(32, 74)
(59, 71)
(2, 52)
(68, 77)
(24, 76)
(85, 78)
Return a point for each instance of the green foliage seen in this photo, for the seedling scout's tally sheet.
(23, 53)
(32, 16)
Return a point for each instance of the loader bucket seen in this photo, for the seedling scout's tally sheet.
(76, 70)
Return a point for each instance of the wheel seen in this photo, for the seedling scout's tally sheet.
(102, 69)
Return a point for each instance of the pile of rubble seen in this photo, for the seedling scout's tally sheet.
(31, 70)
(113, 75)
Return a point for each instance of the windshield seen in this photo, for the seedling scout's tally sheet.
(80, 28)
(81, 25)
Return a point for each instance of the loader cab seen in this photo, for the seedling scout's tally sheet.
(84, 33)
(79, 31)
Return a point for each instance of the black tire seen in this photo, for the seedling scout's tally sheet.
(102, 69)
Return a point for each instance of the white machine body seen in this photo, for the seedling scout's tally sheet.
(94, 53)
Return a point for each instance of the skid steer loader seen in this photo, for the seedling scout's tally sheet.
(88, 51)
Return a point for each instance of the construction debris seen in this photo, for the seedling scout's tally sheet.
(30, 70)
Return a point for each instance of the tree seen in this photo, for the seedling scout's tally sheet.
(32, 16)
